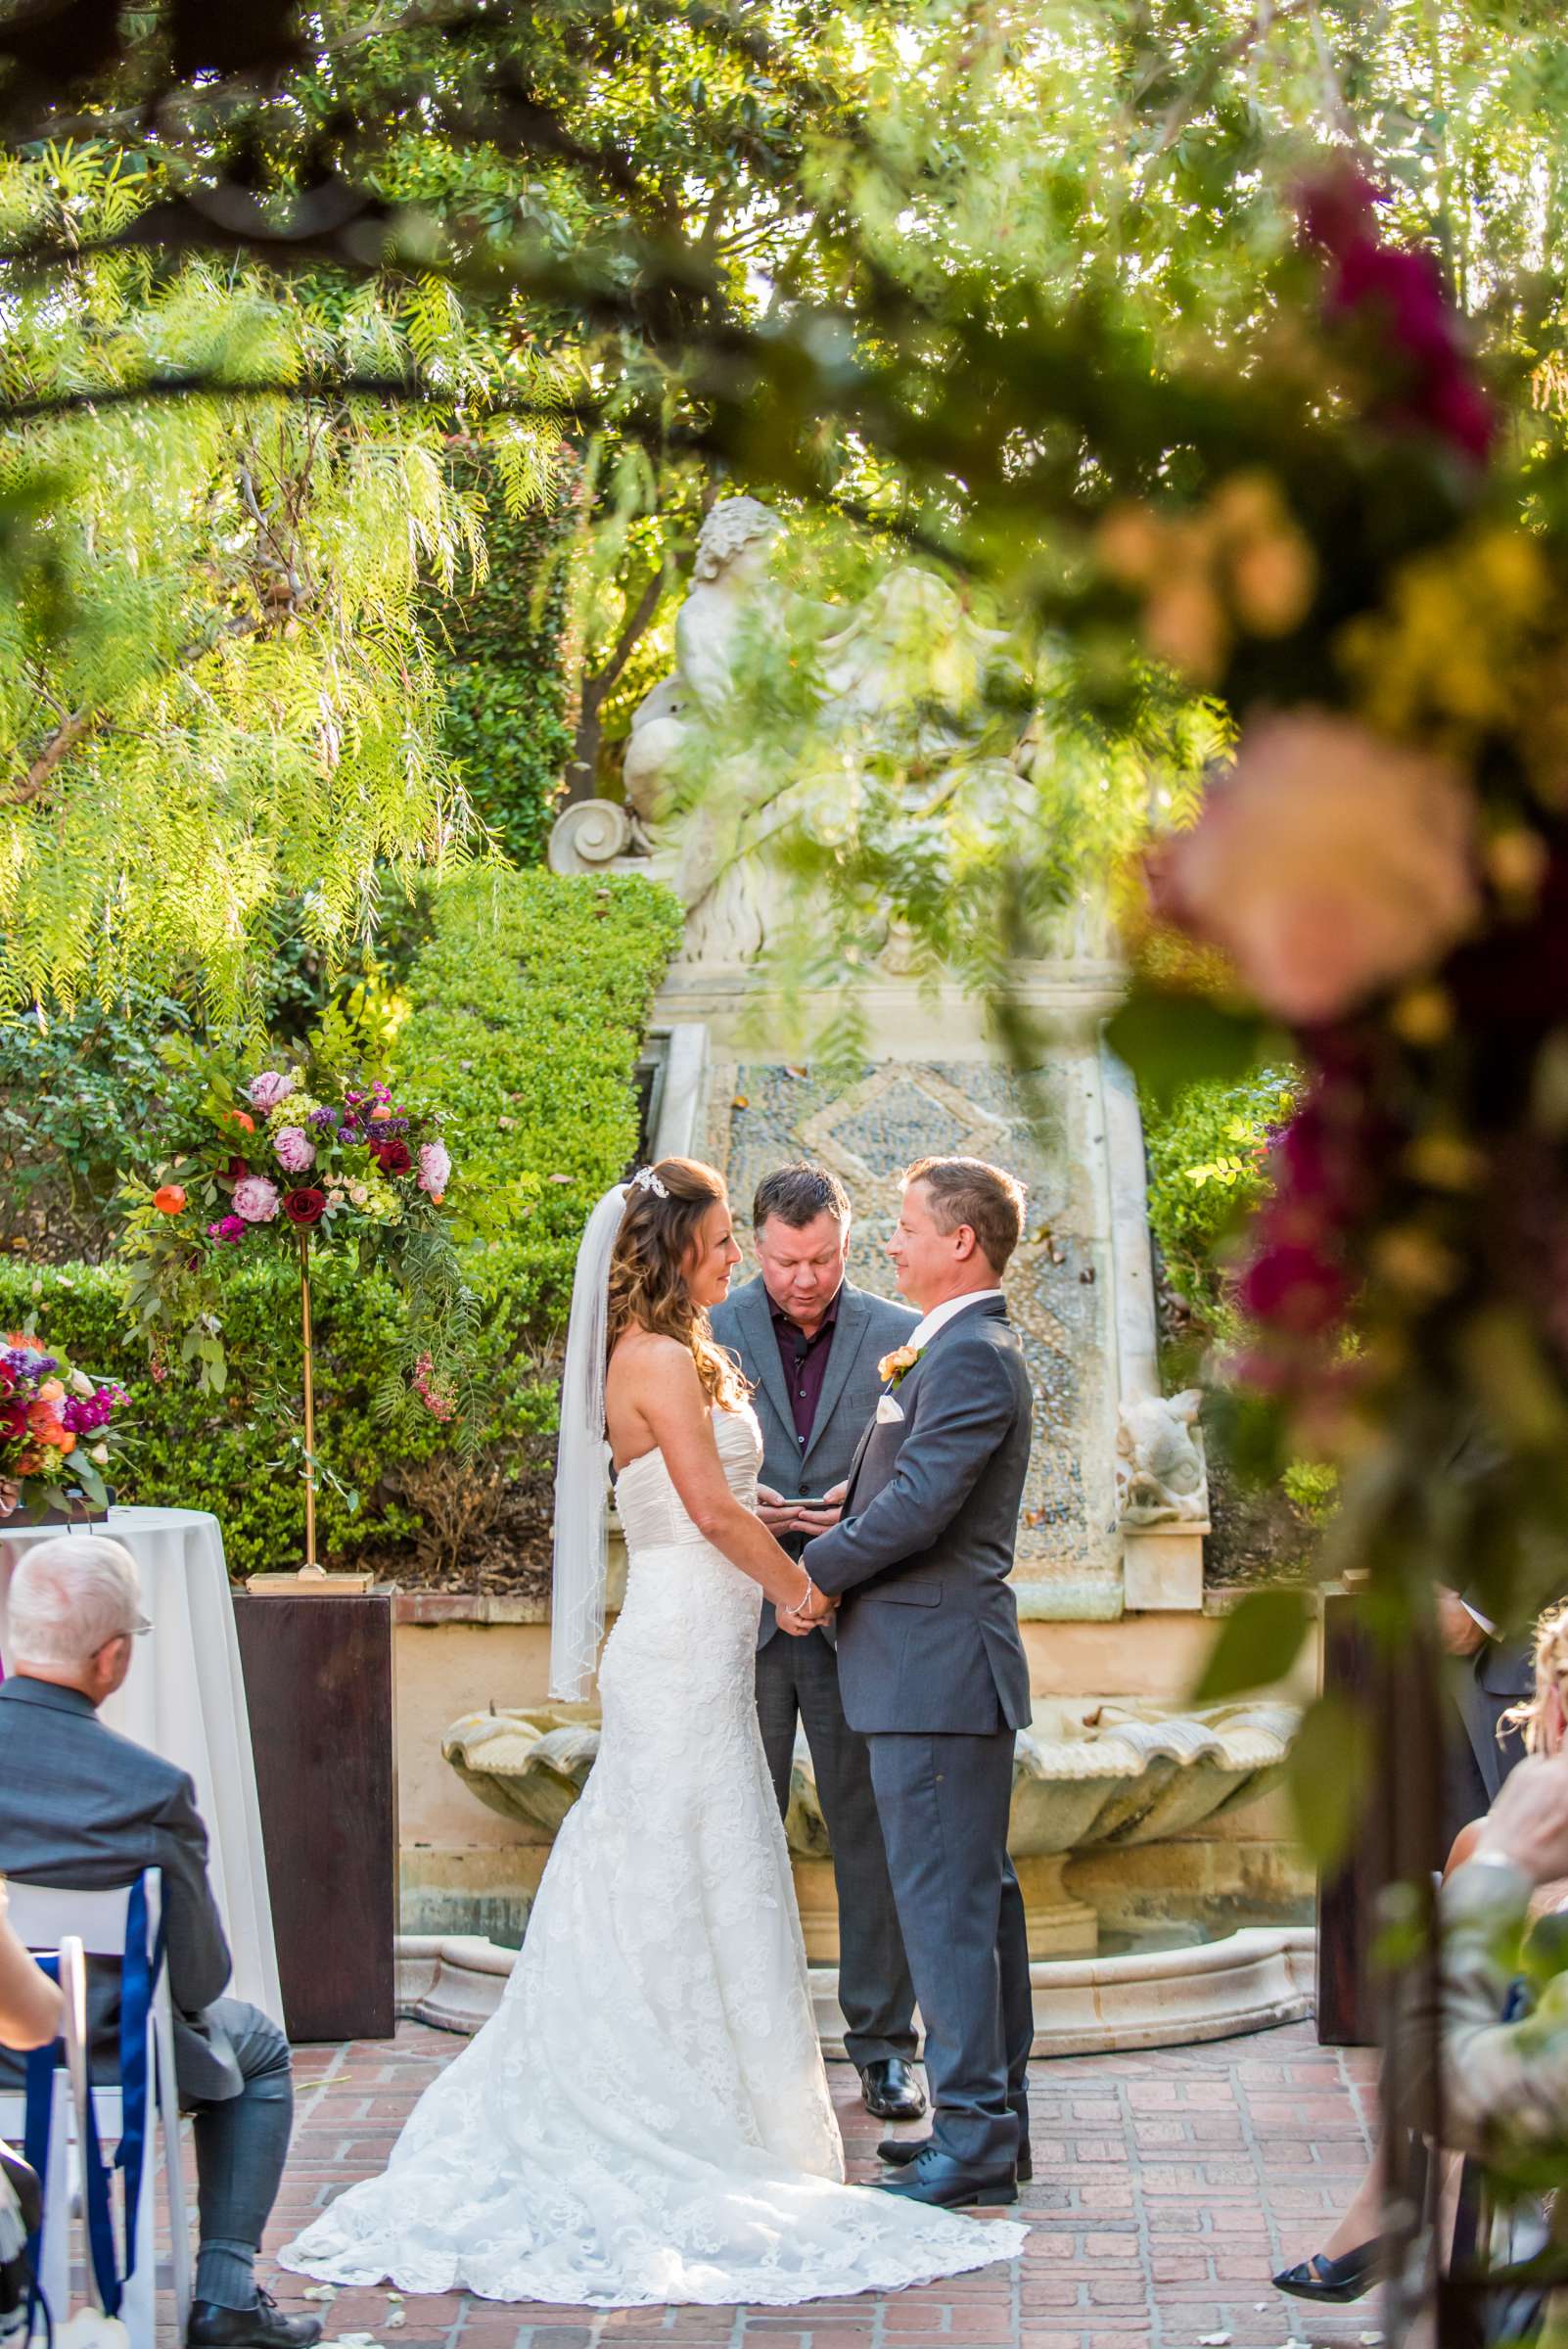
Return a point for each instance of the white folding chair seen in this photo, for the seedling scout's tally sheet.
(46, 1917)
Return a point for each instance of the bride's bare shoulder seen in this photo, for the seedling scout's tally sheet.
(647, 1353)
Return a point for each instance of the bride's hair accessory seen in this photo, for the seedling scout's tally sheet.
(645, 1179)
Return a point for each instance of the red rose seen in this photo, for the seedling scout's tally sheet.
(392, 1157)
(236, 1171)
(12, 1421)
(304, 1206)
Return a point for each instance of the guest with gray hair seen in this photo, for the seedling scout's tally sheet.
(82, 1807)
(809, 1341)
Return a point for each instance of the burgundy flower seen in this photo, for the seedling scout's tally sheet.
(236, 1171)
(13, 1420)
(1401, 295)
(306, 1206)
(393, 1158)
(1292, 1286)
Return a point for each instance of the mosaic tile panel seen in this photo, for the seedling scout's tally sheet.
(763, 1113)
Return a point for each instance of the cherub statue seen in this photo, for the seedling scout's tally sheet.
(1161, 1474)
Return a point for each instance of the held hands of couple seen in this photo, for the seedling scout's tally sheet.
(799, 1621)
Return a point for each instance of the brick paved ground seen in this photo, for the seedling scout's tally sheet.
(1168, 2187)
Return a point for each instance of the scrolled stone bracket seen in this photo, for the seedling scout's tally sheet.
(593, 836)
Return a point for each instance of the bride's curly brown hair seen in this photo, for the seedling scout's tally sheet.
(648, 1287)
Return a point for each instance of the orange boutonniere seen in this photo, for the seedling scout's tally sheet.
(893, 1367)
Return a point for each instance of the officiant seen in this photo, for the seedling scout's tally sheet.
(809, 1342)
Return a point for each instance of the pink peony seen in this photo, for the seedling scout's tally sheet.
(255, 1199)
(1329, 864)
(294, 1150)
(434, 1167)
(271, 1088)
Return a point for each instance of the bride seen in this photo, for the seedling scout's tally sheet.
(646, 2116)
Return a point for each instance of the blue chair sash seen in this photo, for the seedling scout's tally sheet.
(140, 1969)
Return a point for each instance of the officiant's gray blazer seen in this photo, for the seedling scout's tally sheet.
(867, 1327)
(80, 1805)
(928, 1631)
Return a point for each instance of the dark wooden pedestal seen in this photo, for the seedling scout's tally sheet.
(1346, 1999)
(318, 1683)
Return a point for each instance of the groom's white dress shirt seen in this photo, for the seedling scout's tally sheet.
(941, 1314)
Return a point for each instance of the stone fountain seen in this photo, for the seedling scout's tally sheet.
(1087, 1777)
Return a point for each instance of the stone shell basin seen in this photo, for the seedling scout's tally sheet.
(1090, 1775)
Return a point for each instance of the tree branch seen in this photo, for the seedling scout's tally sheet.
(63, 739)
(636, 620)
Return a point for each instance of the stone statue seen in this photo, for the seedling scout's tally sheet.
(899, 681)
(1161, 1475)
(728, 585)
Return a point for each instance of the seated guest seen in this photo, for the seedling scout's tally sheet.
(30, 2003)
(82, 1807)
(1347, 2266)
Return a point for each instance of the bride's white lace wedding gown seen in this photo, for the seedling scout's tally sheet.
(646, 2117)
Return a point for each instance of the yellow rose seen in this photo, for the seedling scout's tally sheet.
(893, 1367)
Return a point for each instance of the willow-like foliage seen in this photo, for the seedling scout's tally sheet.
(217, 686)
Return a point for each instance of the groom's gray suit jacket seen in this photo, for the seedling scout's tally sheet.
(930, 1525)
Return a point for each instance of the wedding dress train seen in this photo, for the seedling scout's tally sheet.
(646, 2116)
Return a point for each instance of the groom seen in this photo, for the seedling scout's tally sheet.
(932, 1668)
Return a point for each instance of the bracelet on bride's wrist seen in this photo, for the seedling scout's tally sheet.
(801, 1604)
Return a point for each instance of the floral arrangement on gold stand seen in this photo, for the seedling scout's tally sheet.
(301, 1158)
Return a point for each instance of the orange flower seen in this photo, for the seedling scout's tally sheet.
(45, 1421)
(53, 1390)
(238, 1117)
(28, 1463)
(170, 1199)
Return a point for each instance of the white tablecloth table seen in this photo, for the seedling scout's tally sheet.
(185, 1698)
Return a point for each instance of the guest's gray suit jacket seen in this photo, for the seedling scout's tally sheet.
(81, 1805)
(867, 1328)
(928, 1631)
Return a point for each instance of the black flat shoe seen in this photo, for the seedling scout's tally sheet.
(938, 2179)
(1320, 2278)
(899, 2151)
(889, 2091)
(263, 2326)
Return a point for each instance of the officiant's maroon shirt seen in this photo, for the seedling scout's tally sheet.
(804, 1361)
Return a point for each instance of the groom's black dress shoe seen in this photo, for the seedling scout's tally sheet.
(889, 2091)
(936, 2177)
(899, 2151)
(261, 2326)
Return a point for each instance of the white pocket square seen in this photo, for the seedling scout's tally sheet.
(888, 1412)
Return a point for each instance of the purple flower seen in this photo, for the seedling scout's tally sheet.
(434, 1167)
(322, 1116)
(271, 1088)
(255, 1199)
(294, 1152)
(230, 1228)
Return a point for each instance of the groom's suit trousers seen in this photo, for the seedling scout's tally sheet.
(944, 1798)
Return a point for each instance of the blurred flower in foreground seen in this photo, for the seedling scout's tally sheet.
(1328, 864)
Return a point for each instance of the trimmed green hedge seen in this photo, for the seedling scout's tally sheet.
(529, 1005)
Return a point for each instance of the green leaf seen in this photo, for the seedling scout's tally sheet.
(1169, 1041)
(1258, 1644)
(1328, 1773)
